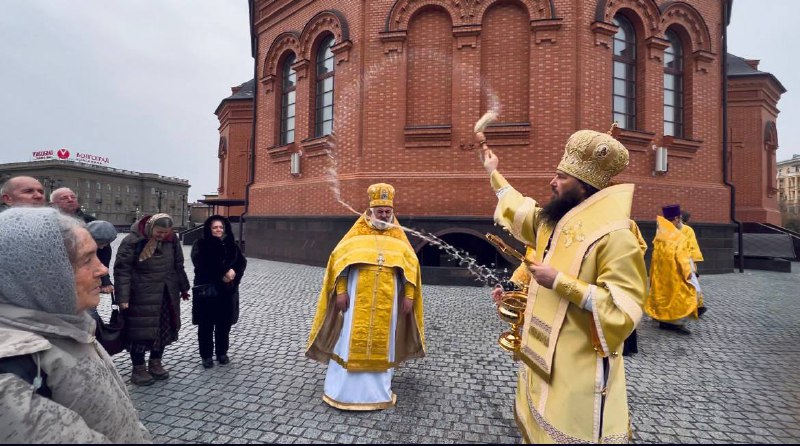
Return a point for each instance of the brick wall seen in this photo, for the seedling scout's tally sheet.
(236, 130)
(442, 69)
(412, 77)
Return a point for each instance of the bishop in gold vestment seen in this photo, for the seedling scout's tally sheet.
(587, 290)
(369, 313)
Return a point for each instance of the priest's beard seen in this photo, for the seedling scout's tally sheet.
(376, 223)
(559, 206)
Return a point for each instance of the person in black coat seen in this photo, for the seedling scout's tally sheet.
(218, 266)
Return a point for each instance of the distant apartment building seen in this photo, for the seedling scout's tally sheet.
(116, 195)
(789, 186)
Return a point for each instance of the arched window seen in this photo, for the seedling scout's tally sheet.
(673, 86)
(288, 99)
(624, 92)
(323, 122)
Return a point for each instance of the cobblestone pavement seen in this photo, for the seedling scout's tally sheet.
(734, 380)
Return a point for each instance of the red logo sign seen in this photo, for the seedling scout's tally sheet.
(63, 154)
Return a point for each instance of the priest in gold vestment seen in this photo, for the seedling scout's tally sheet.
(586, 294)
(369, 314)
(696, 255)
(674, 289)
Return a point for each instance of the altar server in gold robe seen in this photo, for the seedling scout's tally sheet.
(369, 315)
(673, 284)
(585, 298)
(697, 257)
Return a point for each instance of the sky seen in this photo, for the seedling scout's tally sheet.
(138, 80)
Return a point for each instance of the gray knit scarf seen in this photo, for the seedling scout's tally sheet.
(35, 271)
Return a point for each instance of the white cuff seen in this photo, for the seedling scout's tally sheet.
(587, 298)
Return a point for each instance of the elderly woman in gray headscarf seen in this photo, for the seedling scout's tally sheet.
(57, 385)
(149, 281)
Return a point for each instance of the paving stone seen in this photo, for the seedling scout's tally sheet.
(701, 387)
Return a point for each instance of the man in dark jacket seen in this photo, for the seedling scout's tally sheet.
(218, 269)
(149, 281)
(65, 200)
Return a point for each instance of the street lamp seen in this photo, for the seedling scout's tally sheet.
(51, 184)
(160, 193)
(183, 199)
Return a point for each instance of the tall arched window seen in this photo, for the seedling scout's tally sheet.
(624, 92)
(673, 86)
(323, 122)
(288, 99)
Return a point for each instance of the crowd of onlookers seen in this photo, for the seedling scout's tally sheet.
(57, 382)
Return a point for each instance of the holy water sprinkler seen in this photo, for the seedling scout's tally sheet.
(487, 118)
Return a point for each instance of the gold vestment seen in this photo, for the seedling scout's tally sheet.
(672, 296)
(378, 255)
(561, 386)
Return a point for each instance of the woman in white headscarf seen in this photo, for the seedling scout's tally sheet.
(57, 384)
(150, 281)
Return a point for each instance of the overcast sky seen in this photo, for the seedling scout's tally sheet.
(139, 80)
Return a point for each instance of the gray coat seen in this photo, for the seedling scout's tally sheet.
(142, 285)
(89, 402)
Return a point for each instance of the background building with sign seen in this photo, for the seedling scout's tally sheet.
(117, 195)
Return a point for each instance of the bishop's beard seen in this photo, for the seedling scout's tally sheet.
(553, 211)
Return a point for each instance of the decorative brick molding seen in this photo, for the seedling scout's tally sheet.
(281, 154)
(332, 22)
(222, 152)
(462, 12)
(603, 34)
(466, 17)
(656, 47)
(702, 60)
(634, 140)
(268, 82)
(467, 36)
(288, 41)
(317, 146)
(342, 51)
(509, 134)
(683, 15)
(682, 148)
(427, 136)
(545, 30)
(537, 9)
(300, 68)
(403, 10)
(393, 41)
(646, 10)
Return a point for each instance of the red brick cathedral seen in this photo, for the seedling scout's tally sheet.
(348, 93)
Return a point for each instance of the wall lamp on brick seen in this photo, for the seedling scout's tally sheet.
(294, 164)
(662, 163)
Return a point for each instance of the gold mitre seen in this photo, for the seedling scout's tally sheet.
(381, 194)
(593, 157)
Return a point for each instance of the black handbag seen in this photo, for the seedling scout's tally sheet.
(111, 335)
(205, 292)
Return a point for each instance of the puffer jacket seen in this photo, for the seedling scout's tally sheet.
(89, 401)
(142, 285)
